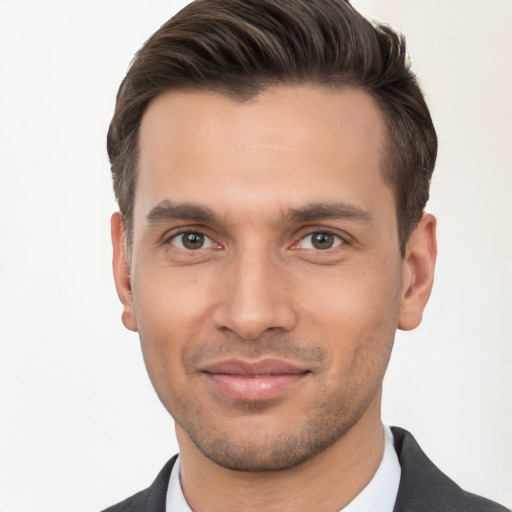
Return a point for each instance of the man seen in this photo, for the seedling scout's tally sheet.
(272, 162)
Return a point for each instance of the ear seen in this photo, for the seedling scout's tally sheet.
(418, 273)
(122, 272)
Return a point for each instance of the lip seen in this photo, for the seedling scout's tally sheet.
(253, 381)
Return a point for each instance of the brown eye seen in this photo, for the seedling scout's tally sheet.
(191, 241)
(320, 241)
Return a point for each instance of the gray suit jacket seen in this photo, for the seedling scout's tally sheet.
(423, 488)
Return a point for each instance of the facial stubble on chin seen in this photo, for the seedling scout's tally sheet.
(258, 452)
(254, 449)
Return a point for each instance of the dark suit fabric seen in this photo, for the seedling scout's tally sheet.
(423, 488)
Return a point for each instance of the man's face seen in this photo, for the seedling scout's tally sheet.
(266, 279)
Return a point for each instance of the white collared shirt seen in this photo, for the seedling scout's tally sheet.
(378, 496)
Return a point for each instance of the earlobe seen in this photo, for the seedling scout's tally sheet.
(122, 272)
(418, 273)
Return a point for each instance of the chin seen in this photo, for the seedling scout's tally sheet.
(260, 449)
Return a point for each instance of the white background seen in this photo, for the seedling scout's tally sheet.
(80, 426)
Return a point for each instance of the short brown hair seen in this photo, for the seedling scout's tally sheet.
(241, 47)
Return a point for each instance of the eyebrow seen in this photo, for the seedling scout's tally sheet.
(167, 211)
(335, 211)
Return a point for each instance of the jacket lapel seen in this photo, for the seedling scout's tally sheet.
(424, 488)
(157, 494)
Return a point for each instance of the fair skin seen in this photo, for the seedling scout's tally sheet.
(266, 284)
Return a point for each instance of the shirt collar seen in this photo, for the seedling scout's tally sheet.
(379, 495)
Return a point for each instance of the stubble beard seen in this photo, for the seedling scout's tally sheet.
(255, 448)
(258, 450)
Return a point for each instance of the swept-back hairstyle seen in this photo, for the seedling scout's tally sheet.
(241, 47)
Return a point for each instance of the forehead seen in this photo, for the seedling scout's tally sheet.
(288, 145)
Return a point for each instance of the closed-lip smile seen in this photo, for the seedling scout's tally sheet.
(253, 380)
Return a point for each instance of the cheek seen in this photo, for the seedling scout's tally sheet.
(171, 314)
(355, 318)
(361, 298)
(170, 303)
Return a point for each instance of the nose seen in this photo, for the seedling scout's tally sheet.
(255, 297)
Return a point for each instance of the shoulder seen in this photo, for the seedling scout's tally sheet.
(423, 487)
(151, 499)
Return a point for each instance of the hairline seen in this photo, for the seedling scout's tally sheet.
(387, 163)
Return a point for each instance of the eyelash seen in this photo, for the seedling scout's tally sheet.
(169, 239)
(339, 240)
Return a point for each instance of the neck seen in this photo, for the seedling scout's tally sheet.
(328, 481)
